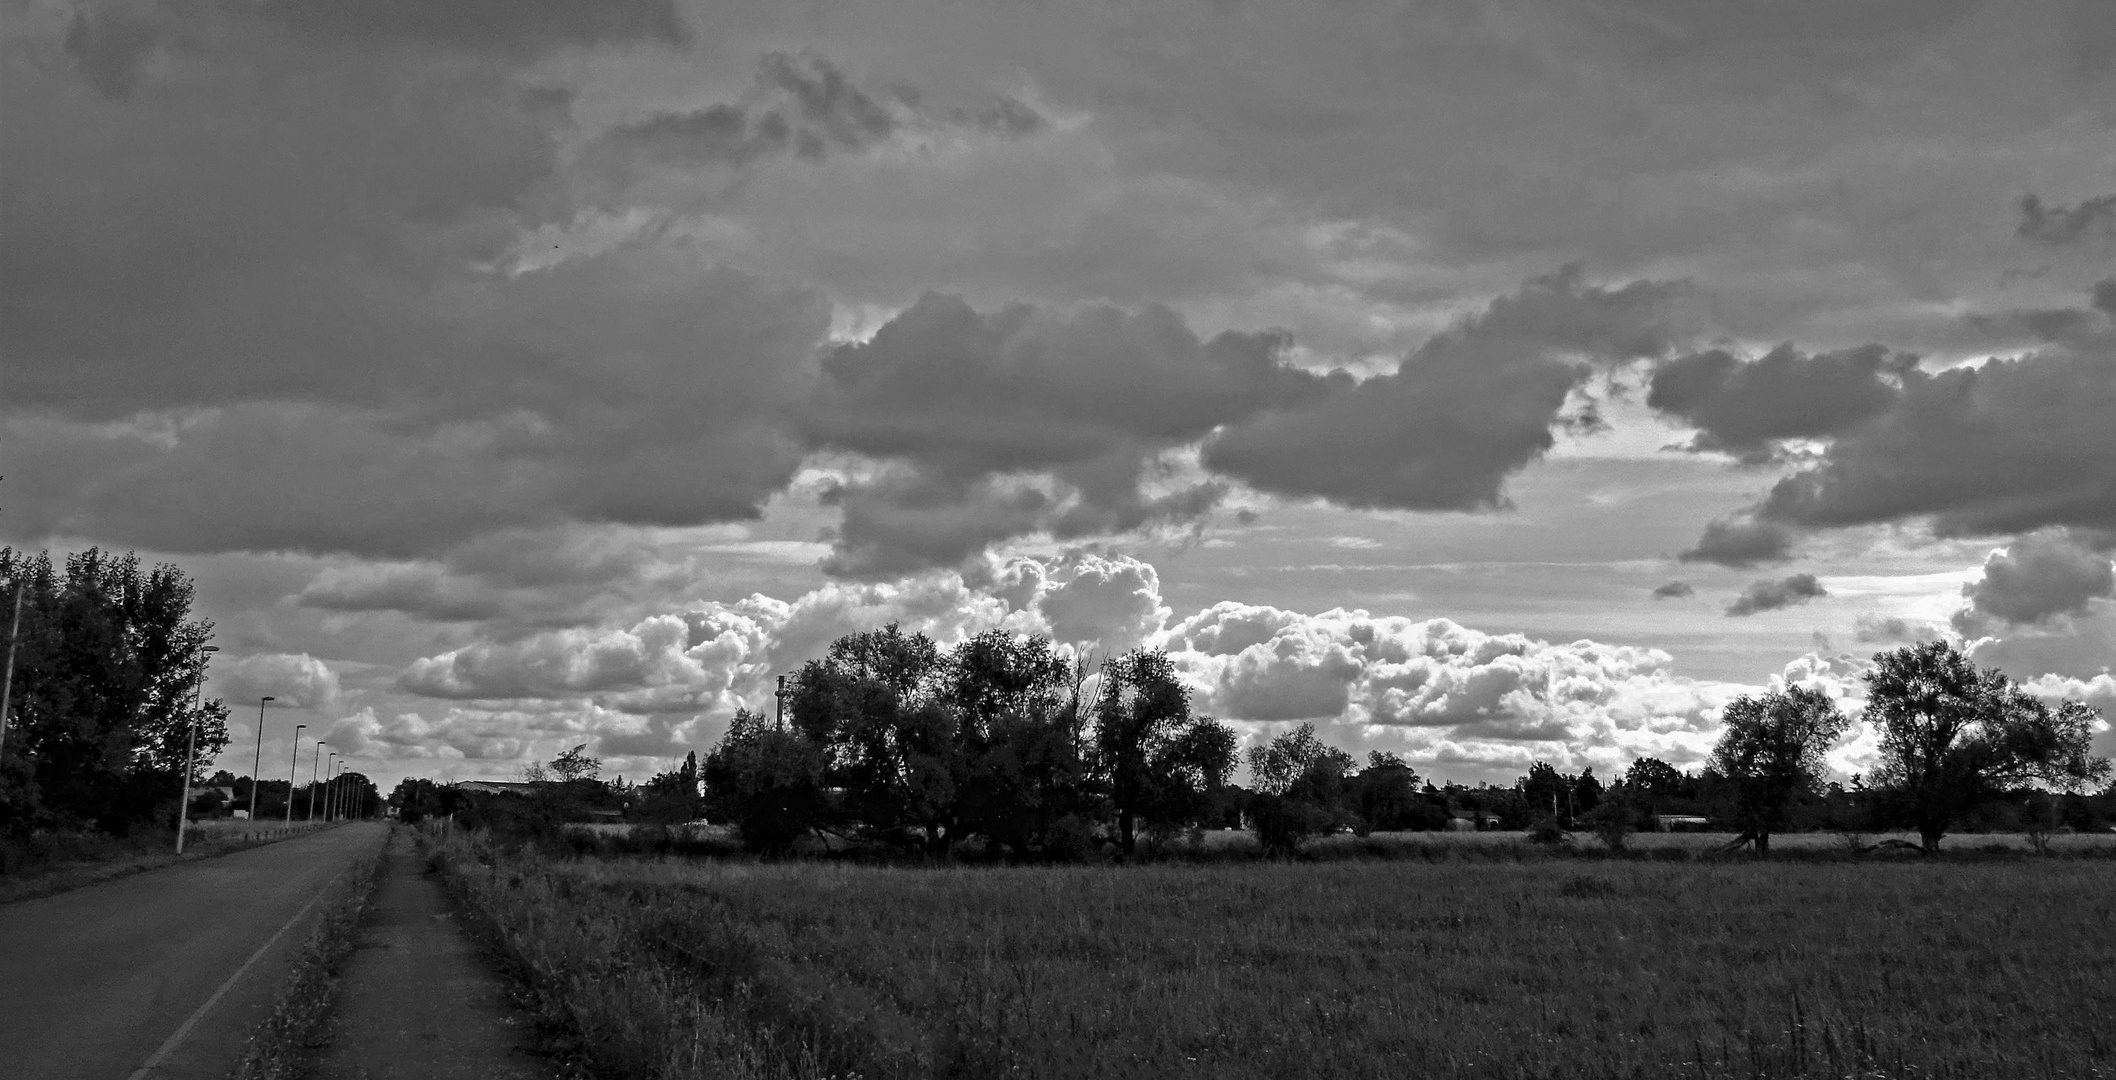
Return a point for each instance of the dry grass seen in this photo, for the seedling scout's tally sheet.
(1537, 968)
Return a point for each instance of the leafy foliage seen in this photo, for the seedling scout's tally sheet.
(1771, 752)
(1954, 737)
(107, 665)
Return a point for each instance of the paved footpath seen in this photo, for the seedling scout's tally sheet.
(162, 974)
(416, 1000)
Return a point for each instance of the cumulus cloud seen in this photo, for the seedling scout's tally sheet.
(1675, 590)
(2037, 578)
(1459, 414)
(1443, 692)
(297, 680)
(1772, 595)
(1745, 407)
(2090, 219)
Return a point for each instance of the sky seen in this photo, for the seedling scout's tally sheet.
(1485, 382)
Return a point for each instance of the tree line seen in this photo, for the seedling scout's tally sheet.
(889, 739)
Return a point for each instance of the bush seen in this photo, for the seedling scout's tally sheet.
(1550, 830)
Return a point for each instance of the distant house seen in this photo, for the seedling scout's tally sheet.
(1680, 823)
(1461, 824)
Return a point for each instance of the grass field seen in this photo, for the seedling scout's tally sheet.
(1538, 967)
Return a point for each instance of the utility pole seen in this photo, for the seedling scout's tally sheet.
(778, 719)
(7, 685)
(198, 688)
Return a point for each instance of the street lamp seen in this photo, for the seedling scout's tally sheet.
(315, 760)
(329, 770)
(257, 766)
(293, 764)
(183, 806)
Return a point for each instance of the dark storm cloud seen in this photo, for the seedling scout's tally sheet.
(2011, 446)
(281, 318)
(1461, 413)
(2041, 576)
(1089, 395)
(1772, 595)
(1744, 407)
(2090, 219)
(1675, 590)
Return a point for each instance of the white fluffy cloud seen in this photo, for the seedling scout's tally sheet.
(295, 680)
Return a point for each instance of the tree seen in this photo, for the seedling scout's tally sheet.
(1300, 789)
(1384, 796)
(1771, 752)
(107, 664)
(1156, 760)
(876, 706)
(1546, 792)
(768, 782)
(1652, 781)
(672, 796)
(1954, 736)
(574, 766)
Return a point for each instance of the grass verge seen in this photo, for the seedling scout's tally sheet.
(280, 1046)
(81, 861)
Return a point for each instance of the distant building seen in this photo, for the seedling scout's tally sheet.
(497, 787)
(1680, 823)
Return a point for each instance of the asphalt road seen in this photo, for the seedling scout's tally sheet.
(97, 982)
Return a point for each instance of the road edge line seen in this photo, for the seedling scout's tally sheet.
(177, 1039)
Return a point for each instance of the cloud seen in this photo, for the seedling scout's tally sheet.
(2039, 577)
(1460, 413)
(1772, 595)
(1443, 692)
(806, 106)
(1742, 542)
(2090, 219)
(2008, 446)
(717, 656)
(1744, 408)
(1675, 590)
(513, 26)
(1894, 630)
(297, 680)
(971, 409)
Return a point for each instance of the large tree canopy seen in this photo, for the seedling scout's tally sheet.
(107, 668)
(1954, 736)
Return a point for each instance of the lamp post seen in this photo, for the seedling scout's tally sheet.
(7, 685)
(329, 771)
(183, 805)
(293, 764)
(257, 766)
(345, 809)
(315, 761)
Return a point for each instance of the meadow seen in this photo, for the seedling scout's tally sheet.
(1491, 961)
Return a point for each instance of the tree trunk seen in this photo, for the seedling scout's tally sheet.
(1125, 838)
(1763, 845)
(1930, 835)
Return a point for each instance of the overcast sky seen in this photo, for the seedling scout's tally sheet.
(1484, 381)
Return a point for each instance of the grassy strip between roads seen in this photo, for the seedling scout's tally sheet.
(82, 862)
(1523, 968)
(280, 1046)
